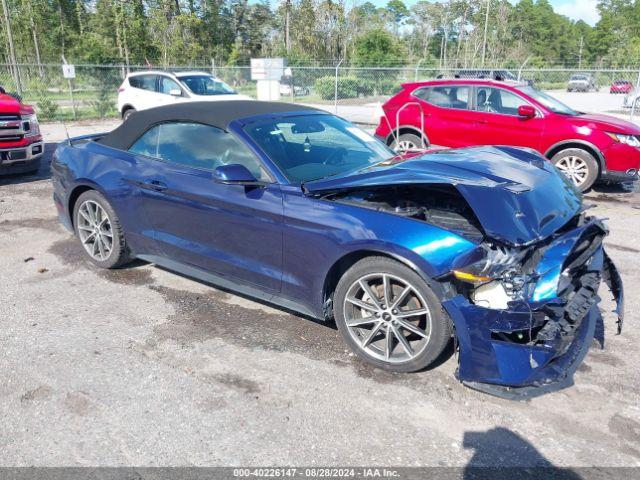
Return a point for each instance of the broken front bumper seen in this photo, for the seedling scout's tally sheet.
(535, 346)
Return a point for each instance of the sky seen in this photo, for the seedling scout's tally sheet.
(578, 9)
(575, 9)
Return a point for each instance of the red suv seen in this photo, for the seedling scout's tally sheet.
(461, 113)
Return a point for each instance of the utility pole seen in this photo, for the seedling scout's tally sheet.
(12, 51)
(486, 26)
(287, 21)
(580, 53)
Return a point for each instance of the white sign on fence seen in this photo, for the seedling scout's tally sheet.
(68, 71)
(267, 68)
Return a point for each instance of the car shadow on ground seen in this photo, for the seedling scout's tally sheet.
(615, 188)
(331, 324)
(500, 454)
(43, 173)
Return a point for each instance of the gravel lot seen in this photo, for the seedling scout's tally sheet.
(143, 367)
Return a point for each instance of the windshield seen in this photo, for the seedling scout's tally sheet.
(578, 77)
(206, 85)
(556, 106)
(310, 147)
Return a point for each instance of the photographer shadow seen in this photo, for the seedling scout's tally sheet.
(501, 454)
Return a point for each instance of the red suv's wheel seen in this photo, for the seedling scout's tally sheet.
(578, 165)
(408, 142)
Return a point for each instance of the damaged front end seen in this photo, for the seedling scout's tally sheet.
(523, 295)
(525, 317)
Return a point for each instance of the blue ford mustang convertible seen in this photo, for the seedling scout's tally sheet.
(489, 246)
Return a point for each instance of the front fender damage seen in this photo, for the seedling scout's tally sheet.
(536, 344)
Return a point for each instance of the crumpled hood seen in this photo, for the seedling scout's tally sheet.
(605, 122)
(517, 195)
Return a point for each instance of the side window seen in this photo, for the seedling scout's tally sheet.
(497, 100)
(144, 82)
(198, 146)
(167, 84)
(147, 144)
(445, 96)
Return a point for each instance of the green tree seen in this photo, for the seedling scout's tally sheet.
(377, 47)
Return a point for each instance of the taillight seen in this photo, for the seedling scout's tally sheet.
(121, 89)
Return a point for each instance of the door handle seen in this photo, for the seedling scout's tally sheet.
(156, 185)
(482, 122)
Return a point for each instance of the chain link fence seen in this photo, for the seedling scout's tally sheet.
(353, 92)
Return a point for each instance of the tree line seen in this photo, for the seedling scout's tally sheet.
(452, 33)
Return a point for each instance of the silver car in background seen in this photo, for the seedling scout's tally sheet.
(582, 82)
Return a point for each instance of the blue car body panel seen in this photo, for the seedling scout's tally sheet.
(281, 241)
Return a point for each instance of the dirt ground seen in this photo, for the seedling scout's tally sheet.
(144, 367)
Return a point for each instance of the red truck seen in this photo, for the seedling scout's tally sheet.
(21, 146)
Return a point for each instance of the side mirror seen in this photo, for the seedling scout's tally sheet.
(175, 92)
(235, 174)
(526, 111)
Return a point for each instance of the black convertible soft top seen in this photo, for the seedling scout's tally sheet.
(218, 114)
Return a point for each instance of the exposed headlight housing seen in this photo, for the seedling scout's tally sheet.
(30, 125)
(631, 140)
(492, 295)
(486, 263)
(493, 274)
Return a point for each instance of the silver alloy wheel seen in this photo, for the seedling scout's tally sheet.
(387, 317)
(575, 168)
(406, 146)
(94, 230)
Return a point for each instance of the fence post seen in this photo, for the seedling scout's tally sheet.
(417, 67)
(634, 100)
(73, 103)
(213, 67)
(70, 83)
(335, 99)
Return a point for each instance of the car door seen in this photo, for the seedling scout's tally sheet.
(143, 91)
(231, 230)
(494, 120)
(446, 113)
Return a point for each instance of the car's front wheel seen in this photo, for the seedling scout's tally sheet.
(389, 316)
(578, 165)
(98, 228)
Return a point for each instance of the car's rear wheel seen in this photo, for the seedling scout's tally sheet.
(408, 142)
(578, 165)
(98, 228)
(389, 316)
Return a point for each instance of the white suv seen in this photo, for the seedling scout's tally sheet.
(148, 89)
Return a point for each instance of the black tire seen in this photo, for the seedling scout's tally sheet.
(587, 158)
(409, 138)
(119, 254)
(440, 328)
(127, 113)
